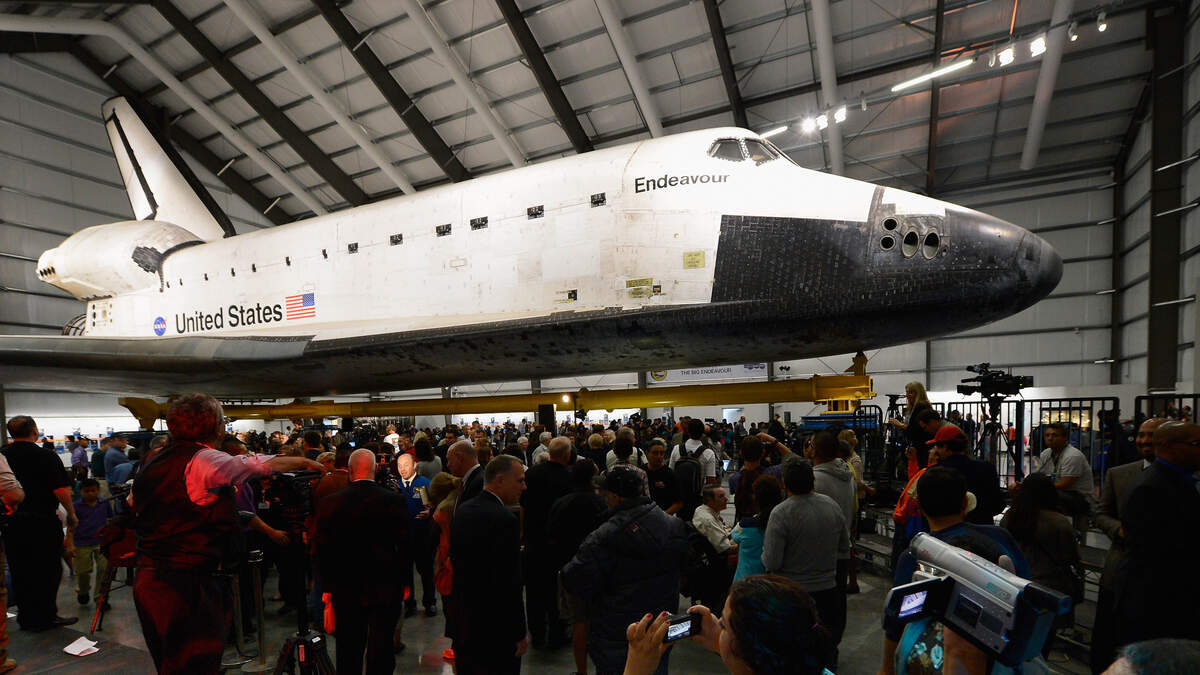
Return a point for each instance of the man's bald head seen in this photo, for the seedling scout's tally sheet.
(1145, 437)
(1174, 442)
(460, 457)
(362, 465)
(560, 450)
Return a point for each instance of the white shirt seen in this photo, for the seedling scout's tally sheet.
(211, 469)
(710, 524)
(1071, 464)
(708, 459)
(393, 439)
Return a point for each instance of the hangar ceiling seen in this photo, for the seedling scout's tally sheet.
(468, 87)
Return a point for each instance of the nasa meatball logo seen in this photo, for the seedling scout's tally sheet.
(160, 326)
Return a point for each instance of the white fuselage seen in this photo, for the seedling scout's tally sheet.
(651, 242)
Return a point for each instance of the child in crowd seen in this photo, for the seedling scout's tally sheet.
(93, 513)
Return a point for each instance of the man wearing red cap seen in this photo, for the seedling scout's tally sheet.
(951, 444)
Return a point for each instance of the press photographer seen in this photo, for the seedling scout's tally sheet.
(186, 521)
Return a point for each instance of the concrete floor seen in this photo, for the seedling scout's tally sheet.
(123, 651)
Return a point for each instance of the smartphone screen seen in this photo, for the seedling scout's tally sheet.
(681, 626)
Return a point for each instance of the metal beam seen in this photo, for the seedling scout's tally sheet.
(433, 37)
(270, 113)
(939, 35)
(818, 388)
(392, 92)
(23, 43)
(1166, 28)
(822, 25)
(721, 45)
(1055, 40)
(188, 143)
(611, 15)
(544, 75)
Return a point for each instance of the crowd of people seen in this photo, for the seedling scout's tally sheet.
(579, 536)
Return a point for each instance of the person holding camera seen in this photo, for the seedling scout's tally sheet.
(186, 522)
(769, 626)
(629, 565)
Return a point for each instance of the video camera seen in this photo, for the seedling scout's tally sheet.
(993, 382)
(1002, 614)
(291, 492)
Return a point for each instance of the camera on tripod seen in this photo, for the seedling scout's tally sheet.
(291, 493)
(991, 383)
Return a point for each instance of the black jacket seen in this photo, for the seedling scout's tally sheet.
(485, 548)
(472, 485)
(544, 484)
(1158, 593)
(572, 518)
(983, 483)
(628, 567)
(362, 542)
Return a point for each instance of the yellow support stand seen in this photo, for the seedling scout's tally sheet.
(841, 392)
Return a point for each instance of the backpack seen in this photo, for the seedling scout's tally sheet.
(690, 473)
(699, 562)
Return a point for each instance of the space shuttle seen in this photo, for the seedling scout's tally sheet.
(700, 248)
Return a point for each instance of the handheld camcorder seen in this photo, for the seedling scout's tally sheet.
(1000, 613)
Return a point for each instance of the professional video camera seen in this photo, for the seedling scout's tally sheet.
(993, 382)
(1007, 617)
(291, 493)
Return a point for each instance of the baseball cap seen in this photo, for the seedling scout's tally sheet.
(622, 481)
(947, 432)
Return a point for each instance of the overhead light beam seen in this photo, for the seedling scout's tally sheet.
(944, 70)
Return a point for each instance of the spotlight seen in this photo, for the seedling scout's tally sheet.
(822, 121)
(566, 399)
(864, 103)
(1038, 46)
(808, 125)
(1007, 56)
(992, 60)
(1073, 31)
(1102, 22)
(839, 115)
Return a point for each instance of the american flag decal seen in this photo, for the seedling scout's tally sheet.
(302, 306)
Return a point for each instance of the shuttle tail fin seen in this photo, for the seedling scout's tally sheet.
(160, 185)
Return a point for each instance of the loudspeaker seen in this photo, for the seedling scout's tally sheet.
(347, 424)
(787, 417)
(545, 417)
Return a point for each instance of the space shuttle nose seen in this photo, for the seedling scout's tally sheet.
(1049, 268)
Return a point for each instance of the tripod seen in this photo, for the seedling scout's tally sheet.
(304, 652)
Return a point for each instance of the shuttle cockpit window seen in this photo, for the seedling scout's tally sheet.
(727, 148)
(779, 152)
(760, 152)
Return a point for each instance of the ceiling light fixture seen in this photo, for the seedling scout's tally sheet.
(944, 70)
(822, 121)
(1102, 22)
(1073, 31)
(1104, 361)
(1007, 56)
(1037, 46)
(839, 115)
(808, 125)
(774, 132)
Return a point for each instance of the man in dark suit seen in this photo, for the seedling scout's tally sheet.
(1158, 593)
(485, 549)
(362, 544)
(545, 483)
(1118, 483)
(463, 461)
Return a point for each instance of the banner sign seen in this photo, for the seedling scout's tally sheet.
(735, 372)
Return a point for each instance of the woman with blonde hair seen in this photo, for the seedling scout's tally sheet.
(917, 404)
